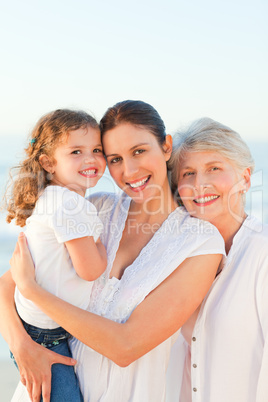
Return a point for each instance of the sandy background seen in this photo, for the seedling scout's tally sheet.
(9, 377)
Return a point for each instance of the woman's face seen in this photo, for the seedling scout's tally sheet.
(211, 187)
(136, 161)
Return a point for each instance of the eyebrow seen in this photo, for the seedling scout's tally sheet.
(83, 146)
(206, 164)
(131, 149)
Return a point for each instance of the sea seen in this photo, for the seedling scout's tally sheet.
(11, 152)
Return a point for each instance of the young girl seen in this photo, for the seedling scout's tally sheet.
(64, 158)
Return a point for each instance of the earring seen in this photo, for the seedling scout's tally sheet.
(49, 176)
(243, 191)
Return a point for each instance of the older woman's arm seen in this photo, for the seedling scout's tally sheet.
(34, 361)
(160, 315)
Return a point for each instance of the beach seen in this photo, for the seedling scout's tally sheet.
(9, 377)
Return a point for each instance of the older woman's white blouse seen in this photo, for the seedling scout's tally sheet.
(229, 347)
(179, 237)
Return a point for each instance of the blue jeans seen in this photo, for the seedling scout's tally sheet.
(64, 383)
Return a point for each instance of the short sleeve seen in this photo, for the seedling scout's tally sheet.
(208, 240)
(75, 217)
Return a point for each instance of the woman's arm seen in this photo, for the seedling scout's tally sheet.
(160, 315)
(34, 361)
(89, 258)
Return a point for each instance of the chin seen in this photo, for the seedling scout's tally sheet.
(138, 198)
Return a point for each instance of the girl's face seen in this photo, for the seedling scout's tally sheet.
(136, 161)
(211, 187)
(79, 161)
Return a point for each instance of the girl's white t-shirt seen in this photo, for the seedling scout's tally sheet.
(59, 215)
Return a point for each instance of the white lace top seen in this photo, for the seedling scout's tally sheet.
(179, 237)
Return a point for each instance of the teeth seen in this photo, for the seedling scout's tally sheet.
(138, 183)
(203, 200)
(92, 171)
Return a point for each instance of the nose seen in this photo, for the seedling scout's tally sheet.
(200, 182)
(130, 168)
(89, 158)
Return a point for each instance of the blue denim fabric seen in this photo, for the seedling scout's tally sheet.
(64, 383)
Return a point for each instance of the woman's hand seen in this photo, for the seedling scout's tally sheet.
(22, 267)
(34, 362)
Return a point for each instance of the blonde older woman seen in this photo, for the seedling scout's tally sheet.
(222, 352)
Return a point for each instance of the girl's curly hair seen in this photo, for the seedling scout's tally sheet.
(30, 178)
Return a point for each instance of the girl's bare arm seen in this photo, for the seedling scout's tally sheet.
(88, 258)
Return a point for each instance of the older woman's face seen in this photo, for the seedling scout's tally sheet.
(211, 187)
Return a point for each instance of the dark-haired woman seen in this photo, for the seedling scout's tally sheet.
(161, 263)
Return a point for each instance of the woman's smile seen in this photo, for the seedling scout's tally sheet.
(140, 184)
(206, 199)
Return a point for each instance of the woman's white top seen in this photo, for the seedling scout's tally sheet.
(229, 348)
(179, 237)
(59, 215)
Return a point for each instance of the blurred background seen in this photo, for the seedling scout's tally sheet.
(187, 58)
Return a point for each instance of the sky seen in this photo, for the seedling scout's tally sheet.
(187, 58)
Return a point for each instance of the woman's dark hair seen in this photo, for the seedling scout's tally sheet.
(134, 112)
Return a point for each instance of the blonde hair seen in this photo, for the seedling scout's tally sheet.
(31, 178)
(204, 135)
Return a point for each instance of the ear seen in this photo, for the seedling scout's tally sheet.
(167, 147)
(247, 179)
(46, 163)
